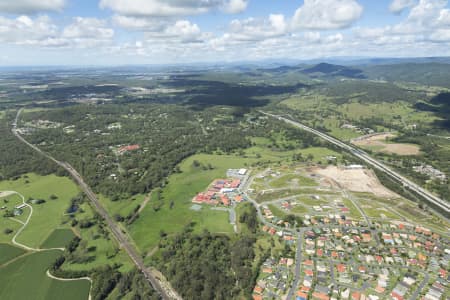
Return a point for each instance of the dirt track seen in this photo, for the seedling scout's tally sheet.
(356, 180)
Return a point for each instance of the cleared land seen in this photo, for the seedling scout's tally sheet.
(379, 143)
(26, 278)
(356, 180)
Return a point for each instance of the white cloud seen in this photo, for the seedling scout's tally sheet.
(167, 8)
(235, 6)
(88, 28)
(181, 32)
(140, 23)
(30, 6)
(327, 14)
(42, 32)
(252, 29)
(24, 30)
(397, 6)
(440, 35)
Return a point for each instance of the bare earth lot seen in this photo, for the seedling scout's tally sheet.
(379, 143)
(359, 180)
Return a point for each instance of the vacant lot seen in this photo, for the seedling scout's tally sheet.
(356, 180)
(26, 278)
(293, 180)
(379, 143)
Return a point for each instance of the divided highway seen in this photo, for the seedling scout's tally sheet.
(161, 287)
(431, 198)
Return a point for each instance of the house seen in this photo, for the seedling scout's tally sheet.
(301, 296)
(128, 148)
(341, 268)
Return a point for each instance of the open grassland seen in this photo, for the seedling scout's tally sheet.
(292, 180)
(59, 238)
(353, 211)
(180, 190)
(380, 143)
(49, 226)
(26, 278)
(106, 251)
(277, 212)
(47, 216)
(401, 112)
(261, 152)
(8, 252)
(123, 207)
(7, 223)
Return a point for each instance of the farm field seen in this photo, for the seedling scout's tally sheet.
(49, 227)
(26, 278)
(59, 238)
(9, 252)
(42, 187)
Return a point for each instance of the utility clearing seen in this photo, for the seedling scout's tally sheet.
(379, 142)
(356, 180)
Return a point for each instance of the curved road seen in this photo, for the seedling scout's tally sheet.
(162, 287)
(431, 198)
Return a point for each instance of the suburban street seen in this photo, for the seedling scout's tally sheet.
(163, 288)
(431, 198)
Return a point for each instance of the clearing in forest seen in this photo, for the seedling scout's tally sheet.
(379, 143)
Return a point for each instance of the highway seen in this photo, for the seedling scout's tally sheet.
(161, 287)
(429, 197)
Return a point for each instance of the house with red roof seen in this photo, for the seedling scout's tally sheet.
(128, 148)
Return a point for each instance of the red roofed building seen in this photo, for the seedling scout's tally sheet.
(341, 268)
(224, 199)
(257, 297)
(396, 296)
(320, 296)
(356, 295)
(124, 149)
(235, 183)
(302, 295)
(258, 289)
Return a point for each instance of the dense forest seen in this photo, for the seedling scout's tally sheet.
(17, 159)
(207, 266)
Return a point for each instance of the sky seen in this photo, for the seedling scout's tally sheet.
(125, 32)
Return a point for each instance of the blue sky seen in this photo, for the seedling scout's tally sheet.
(115, 32)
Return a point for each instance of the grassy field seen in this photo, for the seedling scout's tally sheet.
(106, 250)
(59, 238)
(26, 278)
(8, 252)
(292, 179)
(49, 227)
(122, 207)
(48, 216)
(353, 211)
(6, 223)
(180, 189)
(277, 212)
